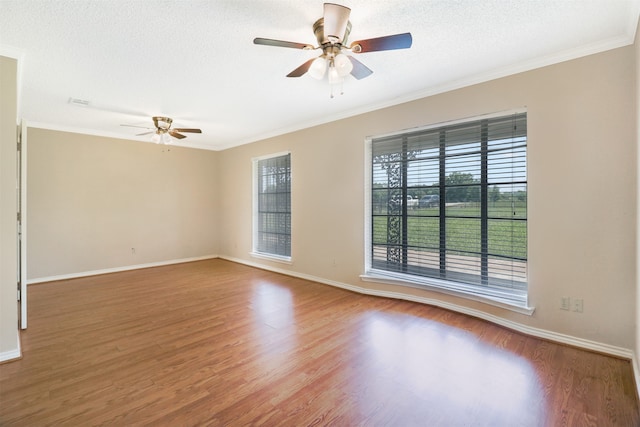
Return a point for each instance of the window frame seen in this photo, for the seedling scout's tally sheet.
(519, 304)
(255, 252)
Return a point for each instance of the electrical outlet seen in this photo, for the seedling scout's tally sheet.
(578, 305)
(565, 303)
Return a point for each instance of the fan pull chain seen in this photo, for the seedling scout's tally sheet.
(341, 88)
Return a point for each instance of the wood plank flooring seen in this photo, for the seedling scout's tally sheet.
(222, 344)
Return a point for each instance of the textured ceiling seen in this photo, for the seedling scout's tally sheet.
(195, 60)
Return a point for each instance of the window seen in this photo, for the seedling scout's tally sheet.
(448, 207)
(272, 207)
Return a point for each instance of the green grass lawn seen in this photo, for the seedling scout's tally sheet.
(506, 237)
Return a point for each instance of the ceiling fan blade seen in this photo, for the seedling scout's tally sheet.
(281, 43)
(175, 134)
(359, 71)
(134, 126)
(188, 130)
(336, 18)
(301, 70)
(396, 41)
(145, 133)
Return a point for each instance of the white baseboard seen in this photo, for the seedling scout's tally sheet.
(636, 372)
(10, 355)
(525, 329)
(116, 269)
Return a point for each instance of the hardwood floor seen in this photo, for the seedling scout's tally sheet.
(218, 343)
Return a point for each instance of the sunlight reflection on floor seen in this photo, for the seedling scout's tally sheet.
(441, 363)
(273, 311)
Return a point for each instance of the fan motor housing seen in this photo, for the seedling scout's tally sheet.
(162, 123)
(318, 30)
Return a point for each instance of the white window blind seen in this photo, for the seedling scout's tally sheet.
(272, 206)
(449, 206)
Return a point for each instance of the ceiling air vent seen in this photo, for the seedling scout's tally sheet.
(79, 102)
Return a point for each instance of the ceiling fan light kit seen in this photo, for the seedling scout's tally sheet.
(163, 133)
(163, 138)
(332, 32)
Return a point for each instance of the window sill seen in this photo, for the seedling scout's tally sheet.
(271, 257)
(448, 288)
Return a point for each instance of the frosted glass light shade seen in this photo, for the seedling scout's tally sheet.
(342, 64)
(318, 68)
(334, 76)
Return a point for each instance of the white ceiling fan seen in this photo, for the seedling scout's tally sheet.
(332, 32)
(163, 131)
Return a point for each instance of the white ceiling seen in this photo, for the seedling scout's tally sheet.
(195, 61)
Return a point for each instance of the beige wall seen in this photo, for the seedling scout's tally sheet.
(637, 129)
(8, 208)
(582, 191)
(92, 199)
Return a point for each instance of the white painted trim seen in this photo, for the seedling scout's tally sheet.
(12, 354)
(24, 317)
(83, 131)
(254, 205)
(368, 183)
(117, 269)
(510, 112)
(270, 156)
(636, 372)
(492, 296)
(489, 75)
(114, 135)
(485, 299)
(525, 329)
(11, 52)
(269, 257)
